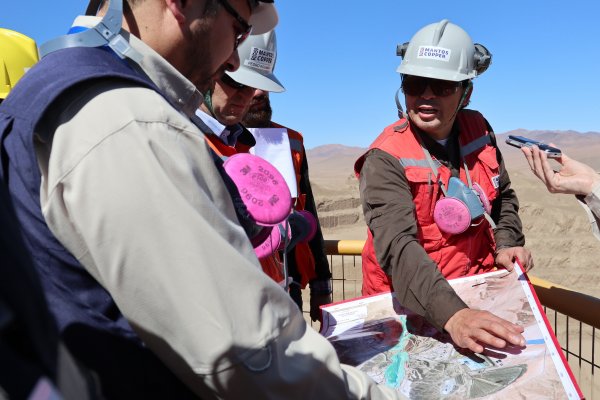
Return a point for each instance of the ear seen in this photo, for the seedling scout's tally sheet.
(176, 8)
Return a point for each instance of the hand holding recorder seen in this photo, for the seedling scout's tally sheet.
(520, 141)
(573, 178)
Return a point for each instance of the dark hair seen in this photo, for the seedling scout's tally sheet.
(95, 5)
(211, 8)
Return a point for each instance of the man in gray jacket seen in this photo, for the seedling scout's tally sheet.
(130, 190)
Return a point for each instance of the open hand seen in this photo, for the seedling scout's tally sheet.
(472, 329)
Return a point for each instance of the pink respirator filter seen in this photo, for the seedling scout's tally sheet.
(262, 188)
(451, 215)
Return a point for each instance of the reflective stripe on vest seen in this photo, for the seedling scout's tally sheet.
(302, 254)
(412, 162)
(475, 145)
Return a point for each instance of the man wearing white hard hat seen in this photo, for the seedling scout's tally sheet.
(228, 102)
(436, 195)
(307, 261)
(223, 109)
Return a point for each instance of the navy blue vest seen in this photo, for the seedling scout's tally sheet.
(89, 321)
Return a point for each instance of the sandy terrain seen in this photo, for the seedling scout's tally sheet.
(556, 227)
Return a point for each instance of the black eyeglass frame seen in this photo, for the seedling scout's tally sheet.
(439, 87)
(232, 83)
(246, 27)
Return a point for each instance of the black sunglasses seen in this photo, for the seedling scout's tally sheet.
(246, 27)
(226, 79)
(416, 85)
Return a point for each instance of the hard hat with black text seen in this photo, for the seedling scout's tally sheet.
(445, 51)
(258, 55)
(18, 53)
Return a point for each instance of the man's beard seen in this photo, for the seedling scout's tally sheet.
(200, 73)
(260, 118)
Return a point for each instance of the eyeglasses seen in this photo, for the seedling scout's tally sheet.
(246, 27)
(416, 85)
(226, 79)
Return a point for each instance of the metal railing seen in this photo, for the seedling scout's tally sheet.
(574, 316)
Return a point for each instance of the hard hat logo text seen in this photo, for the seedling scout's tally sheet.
(261, 59)
(434, 53)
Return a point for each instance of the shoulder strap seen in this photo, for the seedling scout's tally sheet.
(105, 33)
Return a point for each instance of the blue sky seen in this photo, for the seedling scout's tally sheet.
(338, 60)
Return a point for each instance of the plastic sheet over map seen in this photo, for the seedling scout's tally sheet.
(401, 350)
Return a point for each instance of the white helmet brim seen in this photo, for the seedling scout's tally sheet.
(435, 73)
(258, 55)
(249, 77)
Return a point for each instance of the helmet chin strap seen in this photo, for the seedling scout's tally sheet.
(464, 96)
(401, 113)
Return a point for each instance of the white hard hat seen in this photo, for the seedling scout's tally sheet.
(443, 51)
(258, 54)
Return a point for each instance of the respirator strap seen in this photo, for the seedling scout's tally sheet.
(284, 265)
(441, 184)
(487, 216)
(432, 165)
(489, 219)
(468, 175)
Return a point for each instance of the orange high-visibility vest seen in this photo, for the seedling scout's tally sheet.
(305, 260)
(468, 253)
(272, 265)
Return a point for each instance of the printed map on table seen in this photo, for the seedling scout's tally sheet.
(401, 350)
